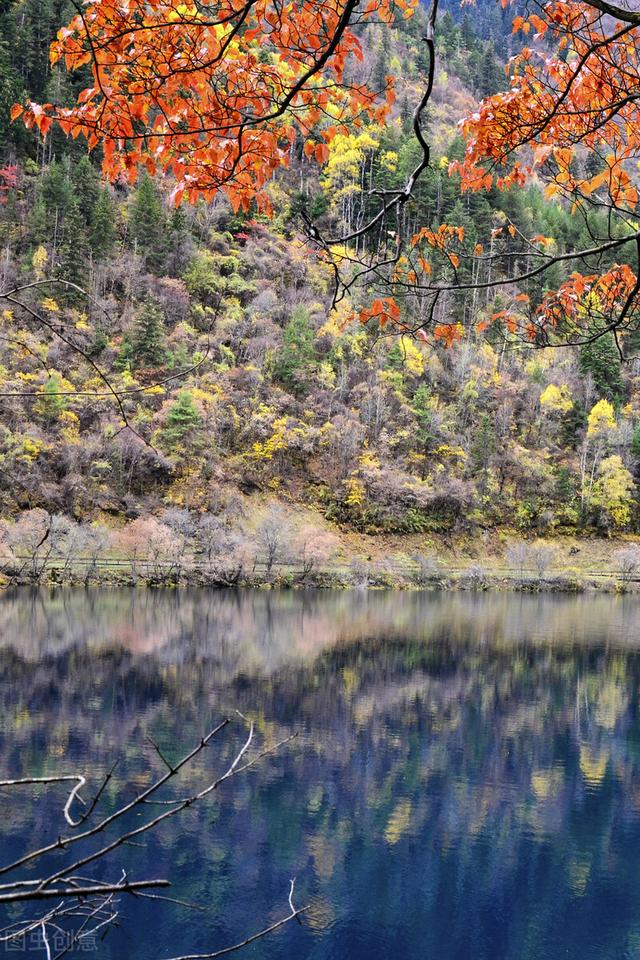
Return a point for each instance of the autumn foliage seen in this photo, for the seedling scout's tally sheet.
(220, 95)
(578, 94)
(214, 94)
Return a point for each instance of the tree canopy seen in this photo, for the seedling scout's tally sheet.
(220, 96)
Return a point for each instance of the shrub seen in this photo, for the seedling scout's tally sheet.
(627, 562)
(427, 569)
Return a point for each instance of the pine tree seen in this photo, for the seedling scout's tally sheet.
(492, 78)
(381, 67)
(565, 487)
(86, 185)
(180, 244)
(298, 349)
(38, 222)
(467, 33)
(483, 446)
(73, 254)
(395, 358)
(423, 413)
(147, 345)
(50, 404)
(148, 224)
(11, 91)
(36, 28)
(56, 190)
(182, 419)
(600, 358)
(635, 446)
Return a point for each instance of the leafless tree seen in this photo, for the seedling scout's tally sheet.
(627, 562)
(315, 548)
(542, 558)
(272, 535)
(519, 556)
(30, 541)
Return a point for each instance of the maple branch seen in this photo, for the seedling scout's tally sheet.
(527, 274)
(400, 197)
(562, 98)
(614, 10)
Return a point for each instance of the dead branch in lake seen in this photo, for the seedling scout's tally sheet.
(87, 907)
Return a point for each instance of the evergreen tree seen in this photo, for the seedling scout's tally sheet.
(491, 77)
(55, 190)
(11, 91)
(32, 36)
(62, 88)
(381, 68)
(565, 487)
(148, 224)
(483, 446)
(50, 404)
(182, 419)
(103, 229)
(635, 446)
(86, 186)
(180, 244)
(395, 358)
(38, 223)
(298, 349)
(467, 33)
(574, 422)
(600, 358)
(147, 345)
(423, 413)
(73, 254)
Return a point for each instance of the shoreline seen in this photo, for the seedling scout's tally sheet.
(470, 579)
(499, 562)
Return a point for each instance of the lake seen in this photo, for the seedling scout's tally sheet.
(465, 782)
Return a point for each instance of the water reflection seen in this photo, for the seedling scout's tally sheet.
(466, 781)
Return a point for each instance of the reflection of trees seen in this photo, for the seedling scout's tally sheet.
(266, 629)
(454, 748)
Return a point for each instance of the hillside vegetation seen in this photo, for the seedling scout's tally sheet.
(253, 414)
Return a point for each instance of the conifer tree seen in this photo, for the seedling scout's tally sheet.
(11, 89)
(491, 78)
(147, 345)
(50, 404)
(635, 446)
(148, 224)
(298, 348)
(86, 187)
(103, 229)
(484, 445)
(424, 415)
(600, 358)
(55, 188)
(182, 419)
(73, 254)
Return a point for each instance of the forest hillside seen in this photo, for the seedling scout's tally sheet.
(253, 419)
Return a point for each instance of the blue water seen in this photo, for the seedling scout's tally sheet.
(465, 781)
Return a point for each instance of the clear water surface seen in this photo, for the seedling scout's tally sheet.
(465, 782)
